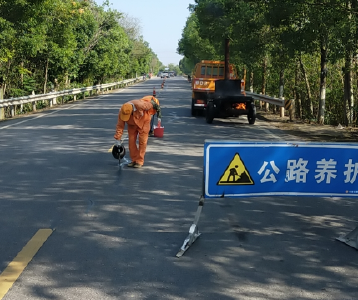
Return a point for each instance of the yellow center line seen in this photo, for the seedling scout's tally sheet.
(17, 266)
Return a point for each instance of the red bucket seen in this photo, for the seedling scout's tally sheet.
(158, 131)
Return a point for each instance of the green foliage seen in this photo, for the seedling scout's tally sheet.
(29, 85)
(281, 32)
(68, 43)
(192, 46)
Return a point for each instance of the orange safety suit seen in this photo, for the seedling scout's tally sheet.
(138, 126)
(153, 111)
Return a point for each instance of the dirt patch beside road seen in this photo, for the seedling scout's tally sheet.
(310, 132)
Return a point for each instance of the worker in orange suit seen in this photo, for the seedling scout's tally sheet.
(137, 114)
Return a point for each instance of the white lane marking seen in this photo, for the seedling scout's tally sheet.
(37, 117)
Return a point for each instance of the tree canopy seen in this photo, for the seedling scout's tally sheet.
(56, 44)
(310, 46)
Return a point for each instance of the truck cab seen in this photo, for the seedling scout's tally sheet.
(203, 80)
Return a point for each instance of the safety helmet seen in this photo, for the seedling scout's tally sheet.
(118, 151)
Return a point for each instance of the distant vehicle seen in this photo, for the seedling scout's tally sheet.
(164, 75)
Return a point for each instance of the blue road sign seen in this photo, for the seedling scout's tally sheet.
(242, 169)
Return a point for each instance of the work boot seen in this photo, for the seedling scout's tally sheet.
(151, 133)
(131, 164)
(137, 166)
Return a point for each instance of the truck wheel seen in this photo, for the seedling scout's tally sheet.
(193, 110)
(209, 114)
(251, 117)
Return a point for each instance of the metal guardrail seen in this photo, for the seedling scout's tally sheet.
(282, 103)
(52, 95)
(268, 99)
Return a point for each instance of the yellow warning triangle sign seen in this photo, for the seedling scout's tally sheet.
(236, 173)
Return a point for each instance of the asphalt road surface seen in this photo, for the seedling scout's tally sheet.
(116, 231)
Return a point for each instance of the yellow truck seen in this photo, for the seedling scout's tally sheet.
(205, 73)
(219, 94)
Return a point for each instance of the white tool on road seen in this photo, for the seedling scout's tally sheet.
(193, 230)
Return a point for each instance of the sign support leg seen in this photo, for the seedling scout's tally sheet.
(193, 230)
(351, 239)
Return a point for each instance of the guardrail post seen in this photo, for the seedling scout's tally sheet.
(74, 97)
(267, 106)
(261, 102)
(282, 109)
(33, 106)
(273, 106)
(12, 109)
(282, 112)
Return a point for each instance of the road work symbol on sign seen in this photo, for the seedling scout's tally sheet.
(236, 173)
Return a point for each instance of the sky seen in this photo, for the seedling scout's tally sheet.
(161, 22)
